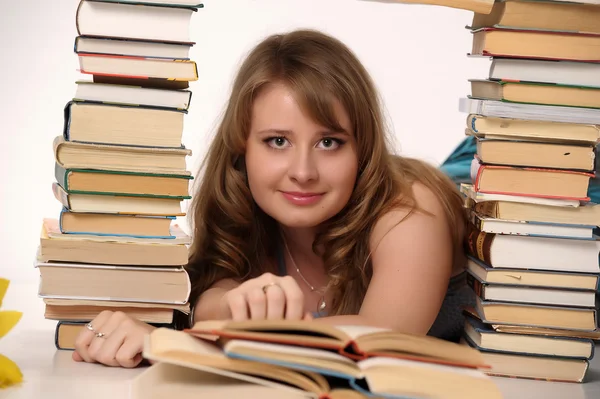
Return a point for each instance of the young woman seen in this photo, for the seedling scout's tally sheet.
(304, 212)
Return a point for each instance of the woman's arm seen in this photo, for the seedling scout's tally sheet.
(207, 307)
(412, 263)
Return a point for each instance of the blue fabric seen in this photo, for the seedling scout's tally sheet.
(458, 163)
(458, 166)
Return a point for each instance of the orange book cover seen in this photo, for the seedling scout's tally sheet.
(478, 168)
(141, 59)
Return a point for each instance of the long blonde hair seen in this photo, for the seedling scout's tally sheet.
(234, 238)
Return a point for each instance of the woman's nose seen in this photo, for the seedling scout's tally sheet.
(303, 166)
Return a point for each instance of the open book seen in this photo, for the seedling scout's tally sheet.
(163, 380)
(316, 372)
(353, 342)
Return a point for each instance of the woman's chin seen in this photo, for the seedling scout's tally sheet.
(301, 219)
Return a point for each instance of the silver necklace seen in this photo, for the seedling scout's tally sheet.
(322, 304)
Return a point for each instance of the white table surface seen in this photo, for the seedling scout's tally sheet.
(51, 374)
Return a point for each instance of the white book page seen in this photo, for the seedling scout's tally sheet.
(356, 331)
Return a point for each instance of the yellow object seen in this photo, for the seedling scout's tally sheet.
(3, 288)
(8, 319)
(9, 371)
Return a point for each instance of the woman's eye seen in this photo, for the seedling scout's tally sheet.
(329, 143)
(277, 142)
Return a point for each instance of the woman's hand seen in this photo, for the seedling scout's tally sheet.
(113, 339)
(266, 297)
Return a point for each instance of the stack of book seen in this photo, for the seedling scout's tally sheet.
(311, 359)
(120, 168)
(533, 239)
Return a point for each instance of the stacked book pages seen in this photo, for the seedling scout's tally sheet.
(120, 170)
(533, 239)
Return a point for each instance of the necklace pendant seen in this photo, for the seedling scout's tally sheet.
(322, 305)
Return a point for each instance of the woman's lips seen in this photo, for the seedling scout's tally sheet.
(302, 198)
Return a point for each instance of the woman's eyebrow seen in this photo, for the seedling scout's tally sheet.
(332, 132)
(275, 131)
(284, 132)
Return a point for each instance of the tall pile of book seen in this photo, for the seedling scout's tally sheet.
(120, 168)
(533, 239)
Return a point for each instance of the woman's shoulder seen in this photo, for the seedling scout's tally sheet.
(426, 210)
(428, 223)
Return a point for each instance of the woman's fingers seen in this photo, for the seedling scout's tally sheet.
(114, 339)
(257, 304)
(113, 336)
(86, 336)
(129, 353)
(294, 298)
(275, 302)
(236, 300)
(109, 346)
(266, 297)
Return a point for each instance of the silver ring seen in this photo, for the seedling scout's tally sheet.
(89, 327)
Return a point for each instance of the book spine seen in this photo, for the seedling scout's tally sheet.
(61, 175)
(59, 330)
(61, 195)
(479, 244)
(76, 44)
(61, 218)
(77, 17)
(477, 286)
(472, 123)
(67, 120)
(56, 334)
(487, 208)
(475, 220)
(190, 93)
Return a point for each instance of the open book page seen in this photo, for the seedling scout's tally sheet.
(178, 348)
(375, 341)
(433, 349)
(294, 351)
(392, 362)
(163, 380)
(414, 379)
(365, 340)
(163, 340)
(274, 330)
(353, 332)
(300, 358)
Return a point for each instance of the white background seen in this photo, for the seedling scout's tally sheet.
(416, 54)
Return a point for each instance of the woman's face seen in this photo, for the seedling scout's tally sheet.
(299, 173)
